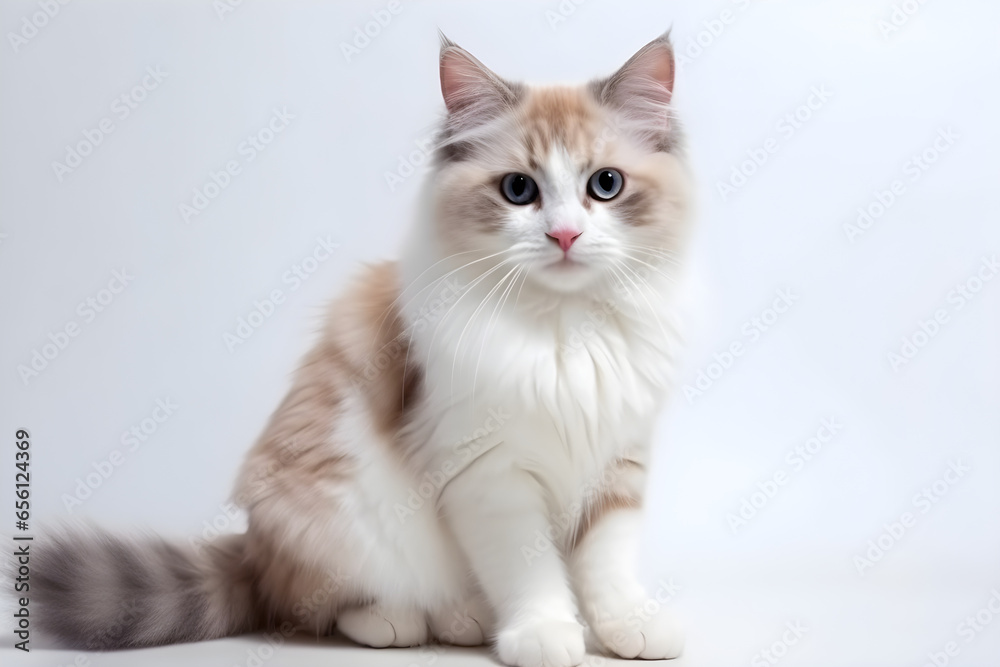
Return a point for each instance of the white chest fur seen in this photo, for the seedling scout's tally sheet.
(560, 391)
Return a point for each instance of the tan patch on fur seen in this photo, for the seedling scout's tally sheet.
(382, 332)
(603, 504)
(298, 468)
(472, 203)
(624, 492)
(559, 116)
(362, 350)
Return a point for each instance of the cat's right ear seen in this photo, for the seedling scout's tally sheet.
(472, 93)
(647, 77)
(641, 91)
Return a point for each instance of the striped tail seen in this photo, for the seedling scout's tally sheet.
(97, 591)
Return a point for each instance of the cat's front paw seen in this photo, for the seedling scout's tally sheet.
(544, 643)
(638, 633)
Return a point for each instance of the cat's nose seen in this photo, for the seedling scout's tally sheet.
(564, 237)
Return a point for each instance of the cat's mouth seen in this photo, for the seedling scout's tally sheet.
(567, 274)
(566, 264)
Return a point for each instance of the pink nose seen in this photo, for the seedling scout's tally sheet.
(565, 237)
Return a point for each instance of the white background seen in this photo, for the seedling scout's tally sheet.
(354, 120)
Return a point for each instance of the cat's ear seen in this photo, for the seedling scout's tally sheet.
(471, 91)
(645, 81)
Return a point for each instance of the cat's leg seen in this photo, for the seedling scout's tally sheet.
(379, 626)
(336, 541)
(622, 617)
(465, 623)
(496, 512)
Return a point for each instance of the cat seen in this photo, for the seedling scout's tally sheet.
(462, 455)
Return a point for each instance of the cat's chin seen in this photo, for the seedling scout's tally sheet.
(566, 277)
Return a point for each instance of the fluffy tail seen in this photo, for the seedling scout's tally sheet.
(100, 592)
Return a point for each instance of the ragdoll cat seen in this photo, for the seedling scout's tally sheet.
(462, 456)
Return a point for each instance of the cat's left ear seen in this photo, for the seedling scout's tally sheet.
(643, 83)
(471, 91)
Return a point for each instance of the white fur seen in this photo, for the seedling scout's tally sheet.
(580, 378)
(538, 376)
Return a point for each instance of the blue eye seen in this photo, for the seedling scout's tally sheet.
(519, 189)
(605, 184)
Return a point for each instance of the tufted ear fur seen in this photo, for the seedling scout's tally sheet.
(641, 90)
(472, 93)
(647, 76)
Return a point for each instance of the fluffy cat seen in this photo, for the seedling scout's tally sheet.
(462, 455)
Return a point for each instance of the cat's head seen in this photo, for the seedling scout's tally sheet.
(579, 185)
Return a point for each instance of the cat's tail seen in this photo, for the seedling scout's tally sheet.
(97, 591)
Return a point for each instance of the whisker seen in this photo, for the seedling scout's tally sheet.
(468, 288)
(433, 283)
(523, 280)
(672, 279)
(648, 303)
(490, 324)
(621, 276)
(472, 318)
(666, 255)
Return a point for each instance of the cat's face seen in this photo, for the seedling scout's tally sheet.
(576, 186)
